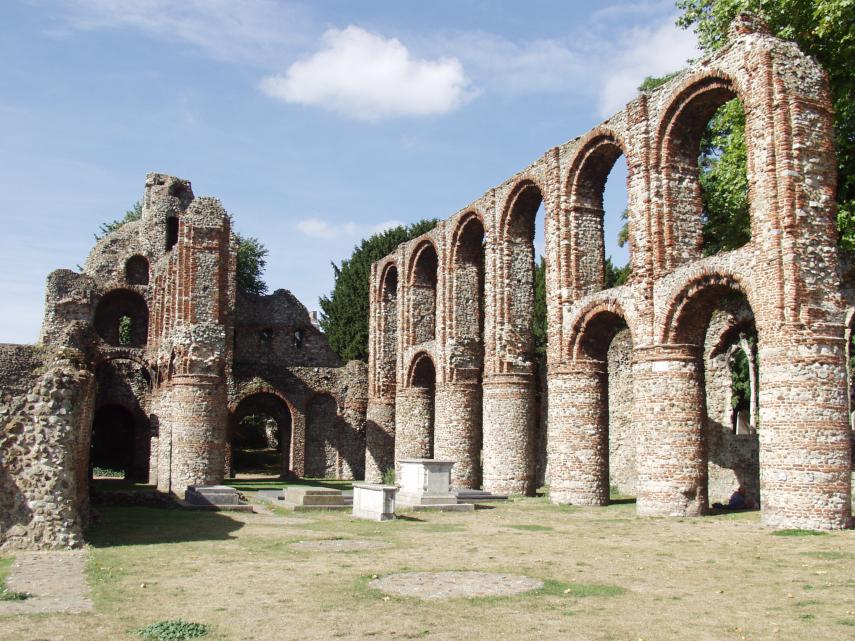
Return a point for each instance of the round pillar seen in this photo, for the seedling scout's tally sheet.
(199, 416)
(509, 417)
(458, 431)
(805, 438)
(669, 420)
(578, 440)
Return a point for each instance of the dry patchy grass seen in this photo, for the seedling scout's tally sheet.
(609, 575)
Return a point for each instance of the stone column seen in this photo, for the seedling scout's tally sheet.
(805, 439)
(164, 438)
(413, 424)
(509, 416)
(669, 421)
(379, 438)
(458, 431)
(199, 415)
(578, 436)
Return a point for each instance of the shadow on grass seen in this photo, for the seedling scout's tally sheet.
(623, 500)
(108, 485)
(719, 512)
(117, 526)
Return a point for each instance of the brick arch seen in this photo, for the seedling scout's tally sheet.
(261, 388)
(418, 254)
(516, 197)
(417, 368)
(466, 267)
(687, 312)
(583, 257)
(595, 325)
(386, 276)
(682, 121)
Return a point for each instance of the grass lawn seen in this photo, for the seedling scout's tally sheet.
(609, 575)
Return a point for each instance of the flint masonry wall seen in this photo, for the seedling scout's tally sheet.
(788, 274)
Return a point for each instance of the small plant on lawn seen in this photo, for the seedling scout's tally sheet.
(177, 630)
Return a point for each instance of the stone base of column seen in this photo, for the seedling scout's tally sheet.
(458, 432)
(509, 416)
(669, 421)
(379, 438)
(578, 439)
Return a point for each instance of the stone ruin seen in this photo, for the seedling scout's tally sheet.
(636, 388)
(637, 383)
(154, 334)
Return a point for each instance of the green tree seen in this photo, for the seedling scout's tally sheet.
(132, 214)
(251, 261)
(824, 29)
(344, 316)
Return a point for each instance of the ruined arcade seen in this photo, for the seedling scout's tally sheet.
(452, 372)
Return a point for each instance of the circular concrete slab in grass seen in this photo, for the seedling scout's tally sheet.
(341, 545)
(450, 585)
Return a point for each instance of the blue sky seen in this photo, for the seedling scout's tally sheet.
(315, 124)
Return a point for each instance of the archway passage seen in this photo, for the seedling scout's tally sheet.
(121, 318)
(458, 422)
(261, 436)
(705, 164)
(112, 447)
(581, 411)
(423, 294)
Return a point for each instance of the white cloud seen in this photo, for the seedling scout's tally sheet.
(648, 51)
(362, 75)
(319, 228)
(252, 30)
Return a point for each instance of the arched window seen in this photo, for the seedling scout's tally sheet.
(121, 318)
(136, 270)
(423, 293)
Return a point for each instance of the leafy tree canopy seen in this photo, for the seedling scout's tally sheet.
(251, 261)
(344, 316)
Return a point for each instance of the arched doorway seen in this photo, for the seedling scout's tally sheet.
(260, 436)
(112, 447)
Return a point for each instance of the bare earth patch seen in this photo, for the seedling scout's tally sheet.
(56, 582)
(451, 585)
(340, 545)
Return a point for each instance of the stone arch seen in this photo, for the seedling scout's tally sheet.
(515, 339)
(415, 410)
(687, 312)
(583, 437)
(121, 318)
(590, 166)
(422, 286)
(265, 402)
(678, 134)
(136, 270)
(594, 326)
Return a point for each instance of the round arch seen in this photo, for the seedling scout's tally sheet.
(121, 318)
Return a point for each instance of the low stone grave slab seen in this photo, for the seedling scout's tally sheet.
(302, 498)
(214, 497)
(451, 585)
(373, 501)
